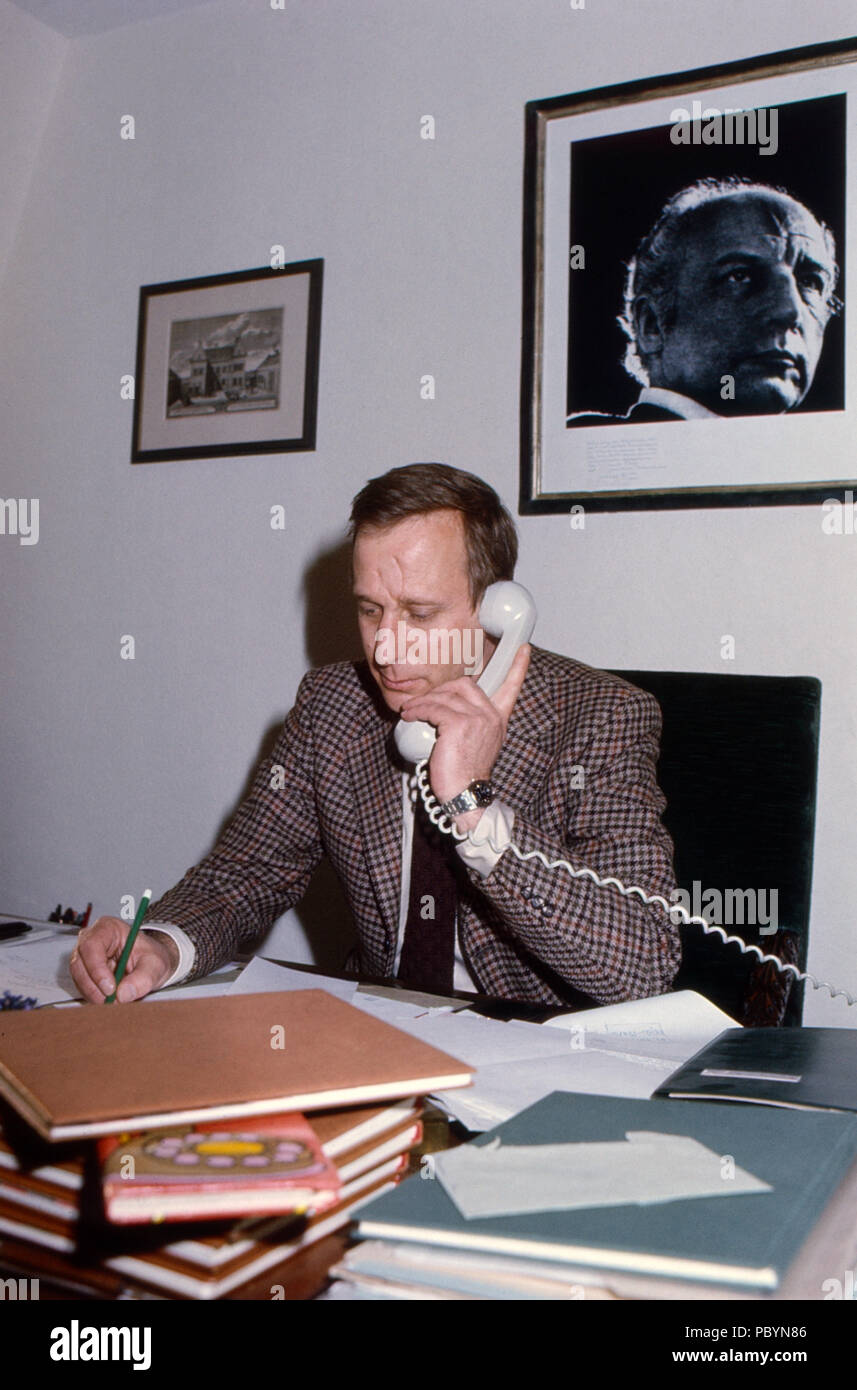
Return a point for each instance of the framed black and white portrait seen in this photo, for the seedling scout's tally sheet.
(228, 364)
(685, 244)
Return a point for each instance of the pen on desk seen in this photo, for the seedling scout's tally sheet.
(129, 943)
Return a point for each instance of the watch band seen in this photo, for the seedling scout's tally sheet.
(474, 798)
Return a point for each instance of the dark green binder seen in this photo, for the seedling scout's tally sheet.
(802, 1068)
(745, 1241)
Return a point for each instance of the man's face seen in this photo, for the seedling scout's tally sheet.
(752, 302)
(411, 579)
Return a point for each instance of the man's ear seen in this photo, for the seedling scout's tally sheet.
(648, 328)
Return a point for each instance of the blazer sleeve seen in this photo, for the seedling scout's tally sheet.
(610, 946)
(264, 859)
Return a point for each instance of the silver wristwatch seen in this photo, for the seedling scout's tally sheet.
(474, 798)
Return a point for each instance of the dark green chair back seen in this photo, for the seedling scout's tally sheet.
(738, 768)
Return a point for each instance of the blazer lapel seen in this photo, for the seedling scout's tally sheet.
(377, 787)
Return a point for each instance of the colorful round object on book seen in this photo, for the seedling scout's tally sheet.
(221, 1151)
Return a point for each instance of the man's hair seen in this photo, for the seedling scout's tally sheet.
(651, 271)
(490, 537)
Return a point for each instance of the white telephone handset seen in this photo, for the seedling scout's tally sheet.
(507, 611)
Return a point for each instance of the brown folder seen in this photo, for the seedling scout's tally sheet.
(102, 1069)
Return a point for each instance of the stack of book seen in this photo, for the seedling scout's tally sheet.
(51, 1202)
(202, 1148)
(582, 1197)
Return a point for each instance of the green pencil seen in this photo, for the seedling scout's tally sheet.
(129, 943)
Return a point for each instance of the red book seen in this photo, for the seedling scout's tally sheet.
(259, 1166)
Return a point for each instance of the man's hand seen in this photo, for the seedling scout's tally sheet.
(470, 730)
(93, 961)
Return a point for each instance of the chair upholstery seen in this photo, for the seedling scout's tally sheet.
(738, 768)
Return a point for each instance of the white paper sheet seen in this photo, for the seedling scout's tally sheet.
(500, 1180)
(684, 1017)
(476, 1040)
(38, 969)
(220, 981)
(502, 1090)
(396, 1011)
(263, 976)
(30, 984)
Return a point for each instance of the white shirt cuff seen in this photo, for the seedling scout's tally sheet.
(488, 839)
(187, 950)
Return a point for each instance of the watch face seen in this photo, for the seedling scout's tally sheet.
(483, 791)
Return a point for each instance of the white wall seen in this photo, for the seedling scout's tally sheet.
(31, 56)
(255, 126)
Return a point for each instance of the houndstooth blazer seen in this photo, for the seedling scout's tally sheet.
(332, 785)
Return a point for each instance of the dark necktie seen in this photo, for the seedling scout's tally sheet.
(428, 949)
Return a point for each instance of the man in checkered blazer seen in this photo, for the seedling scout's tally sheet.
(561, 761)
